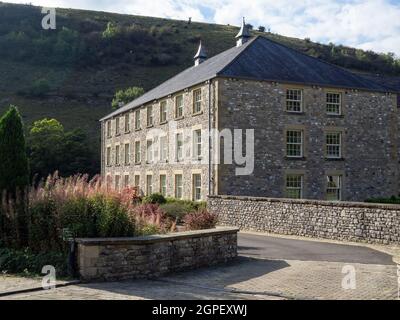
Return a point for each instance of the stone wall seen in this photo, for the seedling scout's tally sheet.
(153, 256)
(349, 221)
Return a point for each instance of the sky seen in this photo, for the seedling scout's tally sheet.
(365, 24)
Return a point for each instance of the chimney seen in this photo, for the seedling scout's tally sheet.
(200, 56)
(244, 34)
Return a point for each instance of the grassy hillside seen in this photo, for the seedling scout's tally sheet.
(92, 54)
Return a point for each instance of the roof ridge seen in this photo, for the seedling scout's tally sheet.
(323, 61)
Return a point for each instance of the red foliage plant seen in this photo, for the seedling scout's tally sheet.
(201, 219)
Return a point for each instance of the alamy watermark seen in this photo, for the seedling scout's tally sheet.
(193, 145)
(49, 20)
(49, 280)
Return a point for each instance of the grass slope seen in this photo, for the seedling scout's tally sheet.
(84, 69)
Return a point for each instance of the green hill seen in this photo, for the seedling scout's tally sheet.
(71, 73)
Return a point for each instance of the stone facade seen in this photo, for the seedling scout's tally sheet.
(368, 123)
(361, 222)
(185, 125)
(153, 256)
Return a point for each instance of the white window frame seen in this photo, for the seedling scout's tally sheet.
(163, 149)
(138, 123)
(338, 105)
(117, 155)
(126, 180)
(338, 188)
(149, 116)
(179, 146)
(137, 152)
(117, 126)
(179, 108)
(196, 189)
(301, 143)
(197, 144)
(301, 188)
(163, 112)
(163, 186)
(178, 189)
(336, 145)
(127, 154)
(150, 150)
(197, 103)
(109, 129)
(149, 186)
(289, 100)
(127, 123)
(108, 156)
(117, 182)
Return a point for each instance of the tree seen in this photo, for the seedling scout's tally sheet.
(261, 28)
(14, 167)
(122, 97)
(52, 149)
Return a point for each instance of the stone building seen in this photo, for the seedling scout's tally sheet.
(320, 131)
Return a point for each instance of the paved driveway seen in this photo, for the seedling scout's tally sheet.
(267, 247)
(267, 268)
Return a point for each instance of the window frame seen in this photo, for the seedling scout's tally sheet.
(301, 144)
(330, 103)
(180, 187)
(138, 122)
(117, 182)
(149, 186)
(151, 149)
(117, 126)
(117, 153)
(138, 155)
(339, 145)
(162, 186)
(180, 107)
(163, 112)
(127, 123)
(197, 102)
(197, 144)
(301, 188)
(290, 100)
(127, 153)
(179, 147)
(196, 188)
(338, 189)
(126, 181)
(109, 129)
(163, 148)
(108, 156)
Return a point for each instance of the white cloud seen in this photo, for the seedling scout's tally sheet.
(366, 24)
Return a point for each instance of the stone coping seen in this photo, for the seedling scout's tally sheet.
(156, 238)
(344, 204)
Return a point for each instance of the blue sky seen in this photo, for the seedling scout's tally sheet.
(366, 24)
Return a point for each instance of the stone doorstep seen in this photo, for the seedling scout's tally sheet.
(156, 238)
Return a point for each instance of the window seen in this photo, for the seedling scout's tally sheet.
(137, 181)
(126, 180)
(109, 129)
(179, 147)
(127, 124)
(333, 103)
(108, 182)
(117, 126)
(333, 145)
(179, 106)
(163, 111)
(149, 116)
(294, 100)
(108, 156)
(137, 120)
(149, 184)
(126, 154)
(197, 101)
(163, 184)
(117, 155)
(137, 152)
(163, 149)
(117, 178)
(178, 186)
(196, 191)
(294, 186)
(333, 188)
(294, 143)
(149, 151)
(197, 144)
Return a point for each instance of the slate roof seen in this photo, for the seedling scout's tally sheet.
(259, 59)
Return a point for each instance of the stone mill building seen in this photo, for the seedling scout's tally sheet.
(320, 131)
